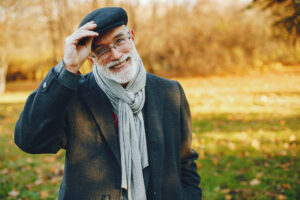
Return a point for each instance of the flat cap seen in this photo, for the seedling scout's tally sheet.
(106, 18)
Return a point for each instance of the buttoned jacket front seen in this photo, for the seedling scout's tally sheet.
(80, 120)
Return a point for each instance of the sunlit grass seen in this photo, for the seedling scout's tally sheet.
(246, 130)
(13, 97)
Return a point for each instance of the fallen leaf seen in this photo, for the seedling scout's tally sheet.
(4, 171)
(215, 162)
(283, 153)
(38, 181)
(243, 183)
(43, 194)
(53, 169)
(14, 158)
(231, 145)
(264, 98)
(49, 159)
(259, 174)
(255, 182)
(14, 193)
(54, 181)
(228, 197)
(202, 154)
(286, 165)
(292, 138)
(199, 165)
(224, 191)
(282, 197)
(241, 154)
(286, 186)
(255, 144)
(266, 164)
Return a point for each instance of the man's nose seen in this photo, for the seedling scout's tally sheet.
(115, 54)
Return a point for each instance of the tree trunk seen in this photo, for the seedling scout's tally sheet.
(3, 70)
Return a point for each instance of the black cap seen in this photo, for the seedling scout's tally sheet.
(105, 18)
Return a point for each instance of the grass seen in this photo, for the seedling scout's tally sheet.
(246, 130)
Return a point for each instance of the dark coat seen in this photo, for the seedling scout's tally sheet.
(80, 120)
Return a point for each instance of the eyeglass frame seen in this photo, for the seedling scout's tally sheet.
(94, 55)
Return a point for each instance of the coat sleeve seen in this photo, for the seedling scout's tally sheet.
(189, 176)
(41, 125)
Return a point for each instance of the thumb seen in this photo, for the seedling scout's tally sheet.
(88, 44)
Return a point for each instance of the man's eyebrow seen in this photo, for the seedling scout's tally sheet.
(118, 35)
(97, 46)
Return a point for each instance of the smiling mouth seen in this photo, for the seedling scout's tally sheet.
(119, 66)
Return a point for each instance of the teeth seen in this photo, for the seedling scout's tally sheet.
(119, 65)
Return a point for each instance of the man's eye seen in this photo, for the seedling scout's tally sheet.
(101, 51)
(120, 40)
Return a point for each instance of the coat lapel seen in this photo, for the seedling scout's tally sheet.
(101, 109)
(153, 117)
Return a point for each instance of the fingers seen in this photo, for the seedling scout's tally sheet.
(82, 32)
(89, 25)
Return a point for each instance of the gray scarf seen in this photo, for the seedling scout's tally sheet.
(127, 104)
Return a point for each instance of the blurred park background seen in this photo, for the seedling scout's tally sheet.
(238, 61)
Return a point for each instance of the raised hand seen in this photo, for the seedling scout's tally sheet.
(75, 54)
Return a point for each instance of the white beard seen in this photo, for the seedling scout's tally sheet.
(127, 74)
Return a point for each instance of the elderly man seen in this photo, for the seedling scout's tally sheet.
(127, 133)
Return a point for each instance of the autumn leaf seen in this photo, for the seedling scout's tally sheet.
(49, 159)
(255, 144)
(282, 197)
(292, 138)
(4, 171)
(286, 165)
(286, 186)
(255, 182)
(54, 181)
(215, 162)
(14, 193)
(43, 194)
(225, 191)
(282, 122)
(259, 174)
(199, 165)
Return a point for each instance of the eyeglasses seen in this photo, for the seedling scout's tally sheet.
(120, 44)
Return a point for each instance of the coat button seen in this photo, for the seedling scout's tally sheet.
(154, 193)
(44, 85)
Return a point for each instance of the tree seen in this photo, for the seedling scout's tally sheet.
(8, 10)
(286, 14)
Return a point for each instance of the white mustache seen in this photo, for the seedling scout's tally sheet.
(112, 63)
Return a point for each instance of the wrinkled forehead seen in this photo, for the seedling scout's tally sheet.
(107, 37)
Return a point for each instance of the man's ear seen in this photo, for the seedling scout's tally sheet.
(132, 34)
